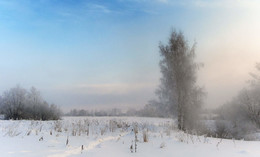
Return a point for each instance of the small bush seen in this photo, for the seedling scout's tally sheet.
(222, 129)
(162, 145)
(145, 135)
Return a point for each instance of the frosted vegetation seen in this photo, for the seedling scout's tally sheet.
(241, 116)
(112, 136)
(18, 103)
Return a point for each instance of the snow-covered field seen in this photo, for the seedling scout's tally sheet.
(113, 137)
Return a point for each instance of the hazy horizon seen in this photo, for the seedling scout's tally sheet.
(104, 54)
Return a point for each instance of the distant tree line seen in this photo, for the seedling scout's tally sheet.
(82, 112)
(147, 111)
(18, 103)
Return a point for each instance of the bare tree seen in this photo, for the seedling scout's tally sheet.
(14, 102)
(243, 112)
(249, 99)
(249, 102)
(34, 100)
(1, 105)
(179, 76)
(18, 103)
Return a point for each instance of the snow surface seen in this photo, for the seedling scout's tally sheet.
(112, 136)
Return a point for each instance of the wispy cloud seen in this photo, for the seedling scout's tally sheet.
(163, 1)
(227, 3)
(146, 1)
(206, 3)
(99, 8)
(216, 3)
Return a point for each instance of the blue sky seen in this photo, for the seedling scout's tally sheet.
(91, 54)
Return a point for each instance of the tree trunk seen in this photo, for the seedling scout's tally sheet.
(180, 112)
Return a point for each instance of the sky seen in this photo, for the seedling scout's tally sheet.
(103, 54)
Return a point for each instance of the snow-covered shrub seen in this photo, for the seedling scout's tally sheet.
(181, 137)
(13, 131)
(57, 126)
(242, 129)
(203, 129)
(163, 145)
(103, 130)
(112, 125)
(252, 137)
(222, 129)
